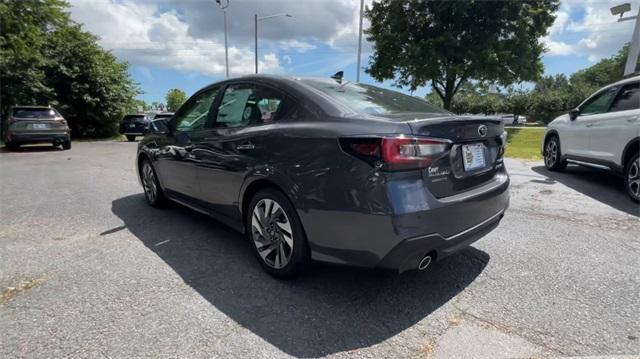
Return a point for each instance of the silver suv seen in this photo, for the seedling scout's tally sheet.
(35, 124)
(603, 132)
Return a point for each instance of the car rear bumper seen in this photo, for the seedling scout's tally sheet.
(418, 224)
(38, 137)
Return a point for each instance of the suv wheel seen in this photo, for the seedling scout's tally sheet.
(152, 190)
(276, 234)
(131, 138)
(66, 145)
(632, 178)
(11, 146)
(552, 156)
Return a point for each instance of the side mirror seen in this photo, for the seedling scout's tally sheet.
(573, 114)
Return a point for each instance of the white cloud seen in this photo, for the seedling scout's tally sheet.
(141, 34)
(596, 35)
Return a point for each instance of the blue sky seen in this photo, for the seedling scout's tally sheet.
(179, 44)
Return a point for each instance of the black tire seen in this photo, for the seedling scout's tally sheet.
(12, 146)
(131, 138)
(150, 185)
(276, 229)
(66, 145)
(632, 177)
(553, 160)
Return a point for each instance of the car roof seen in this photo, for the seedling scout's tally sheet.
(33, 107)
(635, 78)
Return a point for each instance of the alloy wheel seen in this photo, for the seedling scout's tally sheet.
(551, 153)
(149, 182)
(633, 180)
(271, 233)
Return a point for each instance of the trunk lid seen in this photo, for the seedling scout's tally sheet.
(475, 156)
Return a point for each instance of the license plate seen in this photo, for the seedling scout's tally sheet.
(132, 126)
(39, 125)
(473, 156)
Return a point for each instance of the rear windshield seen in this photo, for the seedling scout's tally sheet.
(27, 113)
(163, 115)
(133, 117)
(375, 101)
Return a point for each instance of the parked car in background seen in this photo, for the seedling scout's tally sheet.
(512, 120)
(35, 124)
(603, 132)
(136, 125)
(329, 170)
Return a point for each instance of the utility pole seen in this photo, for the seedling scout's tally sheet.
(359, 42)
(255, 19)
(634, 48)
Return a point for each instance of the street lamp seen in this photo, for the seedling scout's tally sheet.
(226, 46)
(260, 18)
(634, 48)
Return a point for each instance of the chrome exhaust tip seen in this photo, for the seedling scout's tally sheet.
(424, 262)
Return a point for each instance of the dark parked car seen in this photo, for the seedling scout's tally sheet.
(332, 171)
(140, 124)
(35, 124)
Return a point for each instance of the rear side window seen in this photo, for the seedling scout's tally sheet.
(248, 104)
(34, 113)
(374, 100)
(627, 99)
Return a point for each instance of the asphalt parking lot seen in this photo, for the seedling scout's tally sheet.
(87, 269)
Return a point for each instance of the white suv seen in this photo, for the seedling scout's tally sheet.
(603, 132)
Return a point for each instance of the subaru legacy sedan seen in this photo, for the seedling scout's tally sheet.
(314, 169)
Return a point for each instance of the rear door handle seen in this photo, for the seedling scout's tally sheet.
(245, 146)
(189, 148)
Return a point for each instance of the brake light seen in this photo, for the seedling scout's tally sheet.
(396, 153)
(12, 120)
(402, 153)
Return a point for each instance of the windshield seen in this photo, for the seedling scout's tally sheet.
(374, 100)
(28, 113)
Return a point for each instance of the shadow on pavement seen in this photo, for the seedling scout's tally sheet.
(600, 185)
(32, 148)
(327, 310)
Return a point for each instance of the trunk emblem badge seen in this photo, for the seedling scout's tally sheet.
(482, 130)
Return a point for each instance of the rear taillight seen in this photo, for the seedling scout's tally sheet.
(61, 121)
(12, 120)
(397, 153)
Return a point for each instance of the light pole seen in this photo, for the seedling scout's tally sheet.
(226, 46)
(359, 42)
(257, 18)
(634, 48)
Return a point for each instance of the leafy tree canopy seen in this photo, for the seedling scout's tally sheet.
(45, 58)
(445, 43)
(175, 98)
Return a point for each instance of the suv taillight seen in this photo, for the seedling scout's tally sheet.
(397, 153)
(12, 121)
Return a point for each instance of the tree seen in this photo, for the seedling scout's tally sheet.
(175, 98)
(24, 26)
(446, 43)
(45, 58)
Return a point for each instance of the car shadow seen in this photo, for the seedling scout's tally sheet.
(600, 185)
(32, 148)
(328, 309)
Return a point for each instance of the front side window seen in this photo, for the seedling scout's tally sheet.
(628, 98)
(247, 104)
(599, 103)
(193, 116)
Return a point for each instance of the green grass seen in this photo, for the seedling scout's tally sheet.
(524, 143)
